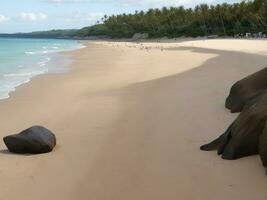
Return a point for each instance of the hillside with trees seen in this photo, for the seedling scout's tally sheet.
(203, 20)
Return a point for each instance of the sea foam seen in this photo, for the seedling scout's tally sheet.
(23, 59)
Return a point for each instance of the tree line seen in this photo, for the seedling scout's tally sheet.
(222, 20)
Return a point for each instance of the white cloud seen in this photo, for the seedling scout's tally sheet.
(90, 18)
(146, 3)
(93, 17)
(3, 18)
(65, 1)
(161, 3)
(30, 16)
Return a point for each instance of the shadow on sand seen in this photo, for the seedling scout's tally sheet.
(153, 150)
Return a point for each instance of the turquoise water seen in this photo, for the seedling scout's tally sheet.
(22, 59)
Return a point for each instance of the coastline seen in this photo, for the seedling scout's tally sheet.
(33, 57)
(66, 69)
(129, 124)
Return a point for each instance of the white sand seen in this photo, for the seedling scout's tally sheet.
(254, 46)
(129, 124)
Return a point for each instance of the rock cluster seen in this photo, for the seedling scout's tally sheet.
(246, 90)
(247, 135)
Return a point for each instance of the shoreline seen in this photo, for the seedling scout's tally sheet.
(153, 44)
(56, 62)
(129, 124)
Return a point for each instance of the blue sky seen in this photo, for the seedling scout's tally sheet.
(33, 15)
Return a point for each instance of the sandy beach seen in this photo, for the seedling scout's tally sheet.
(129, 119)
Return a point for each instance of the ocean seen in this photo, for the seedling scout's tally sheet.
(23, 59)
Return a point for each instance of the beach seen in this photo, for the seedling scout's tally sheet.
(129, 120)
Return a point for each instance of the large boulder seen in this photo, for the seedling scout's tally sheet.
(247, 135)
(246, 90)
(34, 140)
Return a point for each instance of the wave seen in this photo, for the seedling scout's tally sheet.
(54, 49)
(37, 52)
(29, 52)
(26, 74)
(17, 75)
(44, 62)
(12, 80)
(33, 62)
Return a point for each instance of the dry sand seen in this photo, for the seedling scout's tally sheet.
(129, 124)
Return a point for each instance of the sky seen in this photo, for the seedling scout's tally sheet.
(36, 15)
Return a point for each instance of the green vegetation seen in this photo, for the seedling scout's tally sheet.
(44, 34)
(96, 30)
(203, 20)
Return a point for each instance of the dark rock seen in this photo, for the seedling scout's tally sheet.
(246, 90)
(34, 140)
(247, 135)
